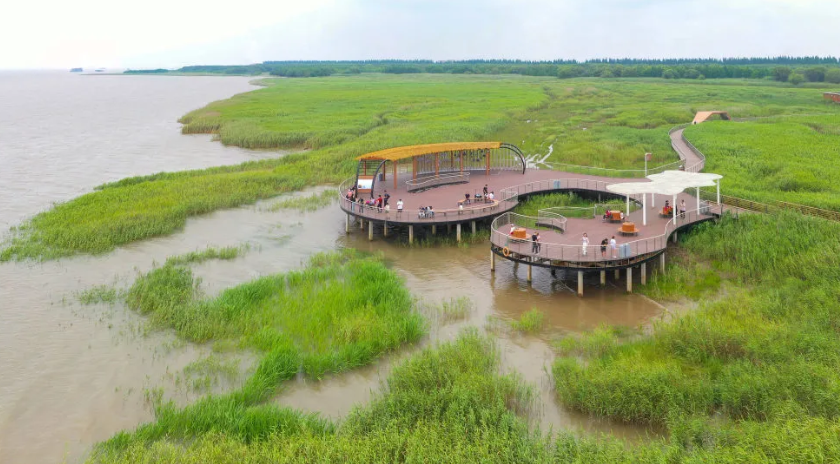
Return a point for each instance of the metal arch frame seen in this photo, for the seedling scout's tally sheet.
(375, 176)
(517, 152)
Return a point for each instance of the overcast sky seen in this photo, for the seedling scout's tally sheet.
(172, 33)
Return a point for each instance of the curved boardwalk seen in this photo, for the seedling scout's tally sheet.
(559, 249)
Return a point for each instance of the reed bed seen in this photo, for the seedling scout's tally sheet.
(790, 159)
(764, 350)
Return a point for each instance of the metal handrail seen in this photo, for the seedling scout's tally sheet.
(440, 179)
(590, 253)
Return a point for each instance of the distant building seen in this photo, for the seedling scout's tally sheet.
(76, 70)
(833, 96)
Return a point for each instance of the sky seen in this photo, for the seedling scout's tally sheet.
(38, 34)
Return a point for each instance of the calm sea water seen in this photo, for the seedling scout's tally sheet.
(61, 134)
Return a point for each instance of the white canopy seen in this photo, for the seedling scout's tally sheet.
(686, 179)
(633, 188)
(666, 183)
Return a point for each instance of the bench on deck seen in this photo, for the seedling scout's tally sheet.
(520, 233)
(667, 211)
(628, 228)
(615, 216)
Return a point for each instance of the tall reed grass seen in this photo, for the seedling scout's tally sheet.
(768, 345)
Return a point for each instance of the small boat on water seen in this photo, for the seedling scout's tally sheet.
(76, 69)
(99, 70)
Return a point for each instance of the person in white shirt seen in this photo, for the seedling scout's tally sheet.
(399, 205)
(613, 247)
(491, 196)
(585, 243)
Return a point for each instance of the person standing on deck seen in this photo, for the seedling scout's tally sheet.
(386, 198)
(682, 209)
(537, 242)
(399, 206)
(614, 247)
(585, 243)
(534, 246)
(604, 244)
(485, 190)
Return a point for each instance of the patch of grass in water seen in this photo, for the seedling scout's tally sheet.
(99, 294)
(195, 257)
(312, 202)
(530, 322)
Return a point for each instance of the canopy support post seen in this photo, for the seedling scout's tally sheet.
(644, 209)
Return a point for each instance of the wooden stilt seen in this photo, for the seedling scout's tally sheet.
(458, 231)
(492, 261)
(603, 278)
(473, 227)
(434, 229)
(644, 273)
(580, 282)
(662, 262)
(410, 234)
(385, 229)
(347, 224)
(629, 280)
(370, 230)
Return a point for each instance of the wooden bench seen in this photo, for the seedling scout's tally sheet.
(667, 211)
(615, 216)
(628, 228)
(520, 233)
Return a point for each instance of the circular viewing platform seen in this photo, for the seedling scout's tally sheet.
(638, 236)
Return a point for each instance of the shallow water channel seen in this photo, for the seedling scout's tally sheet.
(73, 375)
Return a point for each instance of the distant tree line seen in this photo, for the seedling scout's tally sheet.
(784, 69)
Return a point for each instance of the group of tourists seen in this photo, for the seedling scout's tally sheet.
(426, 212)
(608, 214)
(381, 202)
(486, 195)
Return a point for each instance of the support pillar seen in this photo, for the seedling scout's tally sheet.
(662, 262)
(644, 209)
(644, 273)
(385, 229)
(410, 235)
(370, 230)
(414, 168)
(617, 274)
(580, 282)
(361, 224)
(653, 200)
(395, 175)
(628, 207)
(674, 209)
(437, 164)
(492, 261)
(448, 229)
(473, 227)
(629, 280)
(675, 237)
(458, 232)
(717, 183)
(347, 224)
(529, 271)
(603, 278)
(434, 229)
(697, 190)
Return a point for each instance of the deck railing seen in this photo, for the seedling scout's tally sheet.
(591, 255)
(433, 181)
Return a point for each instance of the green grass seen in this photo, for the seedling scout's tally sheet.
(531, 322)
(791, 159)
(194, 257)
(765, 350)
(612, 124)
(312, 202)
(339, 313)
(98, 294)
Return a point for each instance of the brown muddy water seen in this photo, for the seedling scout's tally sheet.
(73, 375)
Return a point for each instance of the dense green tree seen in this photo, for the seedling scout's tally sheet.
(781, 73)
(833, 76)
(670, 74)
(815, 74)
(796, 78)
